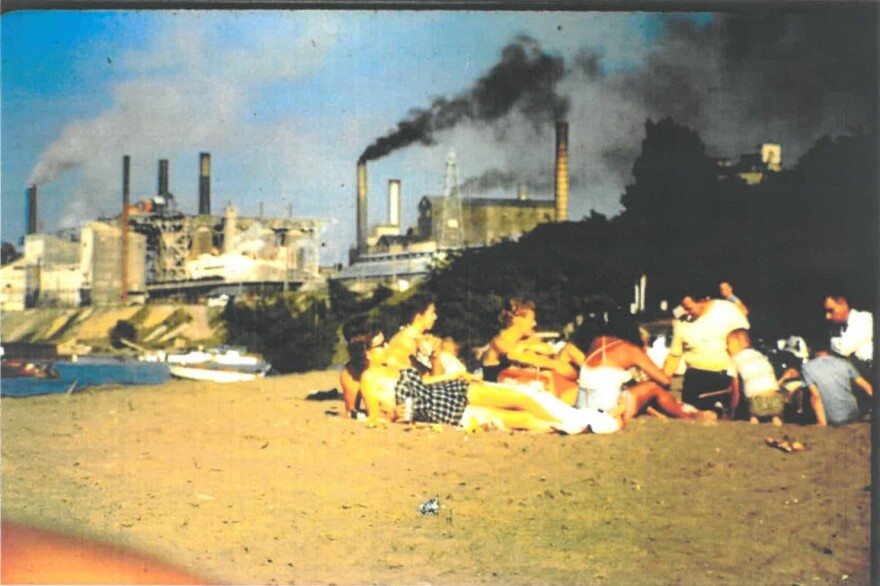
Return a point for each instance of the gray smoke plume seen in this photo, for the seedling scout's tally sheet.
(738, 81)
(524, 80)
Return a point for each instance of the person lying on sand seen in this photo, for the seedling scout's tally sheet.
(613, 346)
(395, 392)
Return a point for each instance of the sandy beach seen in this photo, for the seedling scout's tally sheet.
(252, 483)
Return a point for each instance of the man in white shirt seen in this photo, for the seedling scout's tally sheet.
(702, 344)
(856, 337)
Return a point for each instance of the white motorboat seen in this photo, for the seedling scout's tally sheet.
(218, 373)
(224, 355)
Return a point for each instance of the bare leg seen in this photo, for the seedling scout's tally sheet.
(645, 392)
(541, 405)
(509, 398)
(504, 419)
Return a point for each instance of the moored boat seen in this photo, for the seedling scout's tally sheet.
(15, 368)
(224, 355)
(209, 371)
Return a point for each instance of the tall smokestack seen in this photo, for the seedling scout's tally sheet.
(561, 171)
(126, 179)
(394, 202)
(32, 209)
(362, 207)
(204, 184)
(163, 177)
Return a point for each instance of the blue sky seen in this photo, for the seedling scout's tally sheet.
(286, 101)
(289, 100)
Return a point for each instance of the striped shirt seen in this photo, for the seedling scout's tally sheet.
(756, 372)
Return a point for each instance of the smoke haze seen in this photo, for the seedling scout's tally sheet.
(524, 81)
(739, 81)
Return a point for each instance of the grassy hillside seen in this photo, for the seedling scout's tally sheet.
(75, 330)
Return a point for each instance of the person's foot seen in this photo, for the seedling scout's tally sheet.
(777, 422)
(753, 420)
(707, 416)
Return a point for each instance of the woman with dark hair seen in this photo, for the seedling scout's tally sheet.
(356, 334)
(606, 345)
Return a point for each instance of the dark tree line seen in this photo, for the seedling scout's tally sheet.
(784, 243)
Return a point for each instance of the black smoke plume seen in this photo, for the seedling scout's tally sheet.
(524, 80)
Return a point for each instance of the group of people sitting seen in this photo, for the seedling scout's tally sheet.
(415, 376)
(596, 380)
(711, 339)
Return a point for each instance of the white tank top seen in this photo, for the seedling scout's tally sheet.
(602, 384)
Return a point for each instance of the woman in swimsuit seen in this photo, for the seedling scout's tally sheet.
(394, 391)
(612, 349)
(517, 344)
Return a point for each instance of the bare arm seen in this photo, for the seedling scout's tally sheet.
(671, 364)
(865, 385)
(734, 396)
(351, 388)
(816, 402)
(789, 374)
(643, 361)
(676, 350)
(530, 352)
(572, 354)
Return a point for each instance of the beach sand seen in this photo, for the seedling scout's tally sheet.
(251, 483)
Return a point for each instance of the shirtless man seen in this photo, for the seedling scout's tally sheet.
(395, 392)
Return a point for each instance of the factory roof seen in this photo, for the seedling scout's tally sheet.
(418, 265)
(493, 201)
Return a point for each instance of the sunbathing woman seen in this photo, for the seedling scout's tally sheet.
(613, 346)
(394, 392)
(516, 348)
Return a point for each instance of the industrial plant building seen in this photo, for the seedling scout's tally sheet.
(152, 250)
(450, 221)
(446, 223)
(752, 167)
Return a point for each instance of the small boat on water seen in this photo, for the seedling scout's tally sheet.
(15, 368)
(222, 355)
(219, 373)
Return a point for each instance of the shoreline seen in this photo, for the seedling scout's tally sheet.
(251, 483)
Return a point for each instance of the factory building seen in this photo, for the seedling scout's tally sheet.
(101, 265)
(484, 221)
(153, 250)
(753, 167)
(445, 223)
(14, 280)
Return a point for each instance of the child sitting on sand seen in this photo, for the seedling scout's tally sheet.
(760, 386)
